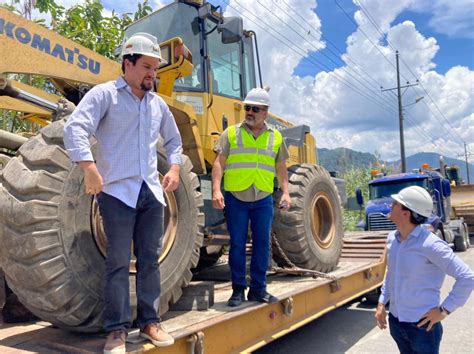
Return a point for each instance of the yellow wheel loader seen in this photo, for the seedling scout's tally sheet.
(53, 244)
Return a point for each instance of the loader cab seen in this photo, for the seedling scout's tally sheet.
(223, 69)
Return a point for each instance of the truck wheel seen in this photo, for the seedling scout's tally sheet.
(372, 297)
(209, 256)
(461, 241)
(52, 246)
(311, 232)
(466, 232)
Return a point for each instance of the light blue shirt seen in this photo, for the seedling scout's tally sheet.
(415, 274)
(127, 130)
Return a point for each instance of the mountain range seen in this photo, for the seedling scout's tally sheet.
(343, 159)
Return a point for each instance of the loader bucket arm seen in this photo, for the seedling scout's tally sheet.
(33, 49)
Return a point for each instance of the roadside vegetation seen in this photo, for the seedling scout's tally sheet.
(355, 178)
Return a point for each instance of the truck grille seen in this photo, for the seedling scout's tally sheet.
(378, 221)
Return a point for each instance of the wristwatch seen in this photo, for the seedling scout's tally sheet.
(444, 312)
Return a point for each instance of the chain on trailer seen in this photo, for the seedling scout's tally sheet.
(291, 268)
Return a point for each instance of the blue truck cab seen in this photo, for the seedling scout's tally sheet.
(453, 231)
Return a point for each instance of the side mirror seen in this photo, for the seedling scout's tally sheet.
(446, 187)
(359, 197)
(232, 29)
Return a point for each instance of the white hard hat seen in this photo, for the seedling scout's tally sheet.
(258, 96)
(142, 43)
(416, 199)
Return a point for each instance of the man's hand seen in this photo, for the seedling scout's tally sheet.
(430, 318)
(93, 181)
(217, 170)
(381, 316)
(285, 201)
(171, 179)
(218, 200)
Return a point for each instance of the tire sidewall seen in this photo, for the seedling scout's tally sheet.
(176, 261)
(324, 255)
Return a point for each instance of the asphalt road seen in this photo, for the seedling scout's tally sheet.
(352, 329)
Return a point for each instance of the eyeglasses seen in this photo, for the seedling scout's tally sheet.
(254, 109)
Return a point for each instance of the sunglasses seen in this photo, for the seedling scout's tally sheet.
(253, 108)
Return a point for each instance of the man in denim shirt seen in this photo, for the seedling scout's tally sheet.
(127, 119)
(417, 264)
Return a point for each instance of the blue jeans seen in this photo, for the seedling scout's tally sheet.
(143, 225)
(413, 340)
(238, 215)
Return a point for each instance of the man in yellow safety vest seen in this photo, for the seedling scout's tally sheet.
(250, 154)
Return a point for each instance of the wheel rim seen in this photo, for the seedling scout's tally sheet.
(322, 220)
(170, 228)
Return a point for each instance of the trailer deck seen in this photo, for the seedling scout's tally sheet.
(222, 329)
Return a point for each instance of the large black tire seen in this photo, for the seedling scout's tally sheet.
(310, 233)
(461, 241)
(51, 246)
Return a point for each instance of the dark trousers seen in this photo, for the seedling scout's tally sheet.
(238, 215)
(143, 226)
(413, 340)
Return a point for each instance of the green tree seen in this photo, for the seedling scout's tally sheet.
(355, 178)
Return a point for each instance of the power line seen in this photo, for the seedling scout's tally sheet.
(301, 52)
(413, 124)
(440, 112)
(365, 35)
(341, 68)
(347, 56)
(371, 19)
(423, 133)
(373, 22)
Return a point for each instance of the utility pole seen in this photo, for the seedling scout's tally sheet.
(400, 119)
(467, 163)
(400, 113)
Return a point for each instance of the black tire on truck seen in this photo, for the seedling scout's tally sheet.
(52, 246)
(209, 256)
(310, 233)
(461, 241)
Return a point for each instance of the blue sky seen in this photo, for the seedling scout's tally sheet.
(336, 27)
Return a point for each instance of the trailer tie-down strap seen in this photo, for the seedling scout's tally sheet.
(292, 269)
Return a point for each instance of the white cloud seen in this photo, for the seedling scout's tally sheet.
(337, 115)
(452, 18)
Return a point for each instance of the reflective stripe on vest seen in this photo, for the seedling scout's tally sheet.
(251, 161)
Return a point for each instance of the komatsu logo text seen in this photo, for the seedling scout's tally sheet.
(35, 41)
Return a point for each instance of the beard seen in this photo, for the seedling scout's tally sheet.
(250, 120)
(146, 87)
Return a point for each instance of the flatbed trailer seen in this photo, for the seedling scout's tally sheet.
(221, 329)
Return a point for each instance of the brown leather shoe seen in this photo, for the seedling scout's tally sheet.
(155, 334)
(115, 342)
